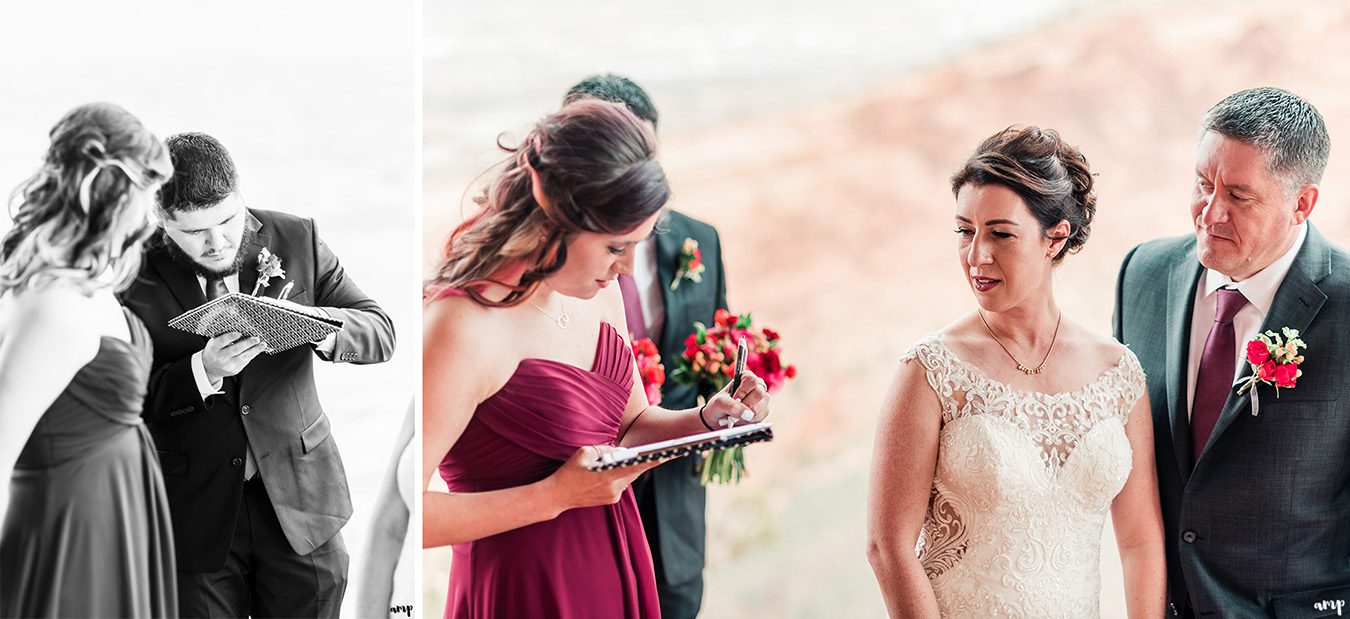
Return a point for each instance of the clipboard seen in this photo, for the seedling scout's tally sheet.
(697, 443)
(280, 325)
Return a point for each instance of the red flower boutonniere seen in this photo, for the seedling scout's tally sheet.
(1274, 359)
(691, 264)
(650, 368)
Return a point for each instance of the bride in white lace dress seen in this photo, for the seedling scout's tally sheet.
(1008, 436)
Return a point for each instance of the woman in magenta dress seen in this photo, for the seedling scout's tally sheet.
(528, 376)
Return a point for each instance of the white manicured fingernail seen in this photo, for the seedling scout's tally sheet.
(747, 415)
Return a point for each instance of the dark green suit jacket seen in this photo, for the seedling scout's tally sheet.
(1260, 525)
(671, 499)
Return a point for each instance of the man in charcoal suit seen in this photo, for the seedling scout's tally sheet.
(663, 304)
(1255, 489)
(256, 486)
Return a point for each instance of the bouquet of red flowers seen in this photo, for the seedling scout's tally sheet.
(709, 359)
(650, 369)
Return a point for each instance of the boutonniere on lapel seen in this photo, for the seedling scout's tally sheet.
(691, 264)
(269, 266)
(1274, 360)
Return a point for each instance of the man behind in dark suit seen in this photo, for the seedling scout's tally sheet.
(256, 487)
(1256, 501)
(670, 498)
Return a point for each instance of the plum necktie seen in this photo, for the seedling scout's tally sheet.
(632, 307)
(1214, 379)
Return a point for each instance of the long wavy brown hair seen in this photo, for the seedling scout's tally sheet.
(74, 219)
(590, 167)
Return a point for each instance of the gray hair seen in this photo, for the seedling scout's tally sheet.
(1284, 127)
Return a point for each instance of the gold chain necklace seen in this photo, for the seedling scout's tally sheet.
(1024, 369)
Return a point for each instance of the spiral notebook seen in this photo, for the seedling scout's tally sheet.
(280, 325)
(674, 448)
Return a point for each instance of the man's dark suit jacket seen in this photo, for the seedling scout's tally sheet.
(272, 404)
(1261, 524)
(673, 509)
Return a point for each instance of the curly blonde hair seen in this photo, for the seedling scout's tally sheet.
(74, 219)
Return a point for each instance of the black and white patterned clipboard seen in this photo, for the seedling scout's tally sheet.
(674, 448)
(281, 326)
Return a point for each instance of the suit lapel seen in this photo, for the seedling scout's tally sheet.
(248, 271)
(1181, 301)
(1295, 306)
(180, 280)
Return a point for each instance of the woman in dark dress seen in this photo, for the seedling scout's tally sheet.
(528, 376)
(86, 532)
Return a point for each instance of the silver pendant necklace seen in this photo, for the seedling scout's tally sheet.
(562, 319)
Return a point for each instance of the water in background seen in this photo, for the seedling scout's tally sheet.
(493, 67)
(315, 101)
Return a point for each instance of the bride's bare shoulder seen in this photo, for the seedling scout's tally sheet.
(1103, 350)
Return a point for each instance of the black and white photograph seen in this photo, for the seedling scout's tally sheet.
(207, 290)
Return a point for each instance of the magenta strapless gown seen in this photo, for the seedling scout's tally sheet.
(588, 562)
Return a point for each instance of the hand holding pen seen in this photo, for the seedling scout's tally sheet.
(744, 399)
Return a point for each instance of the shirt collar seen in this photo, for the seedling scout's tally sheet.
(1259, 289)
(644, 258)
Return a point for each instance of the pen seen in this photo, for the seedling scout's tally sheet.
(741, 354)
(740, 366)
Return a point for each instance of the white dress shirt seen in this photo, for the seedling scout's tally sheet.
(1260, 292)
(646, 280)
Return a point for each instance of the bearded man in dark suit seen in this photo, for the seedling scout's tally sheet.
(256, 486)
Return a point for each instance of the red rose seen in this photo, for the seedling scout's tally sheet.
(791, 371)
(1286, 375)
(720, 316)
(770, 334)
(1266, 371)
(769, 362)
(695, 264)
(1257, 352)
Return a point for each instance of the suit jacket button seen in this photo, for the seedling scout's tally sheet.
(1188, 537)
(244, 409)
(190, 409)
(237, 461)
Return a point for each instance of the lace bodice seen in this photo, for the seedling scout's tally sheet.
(1022, 487)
